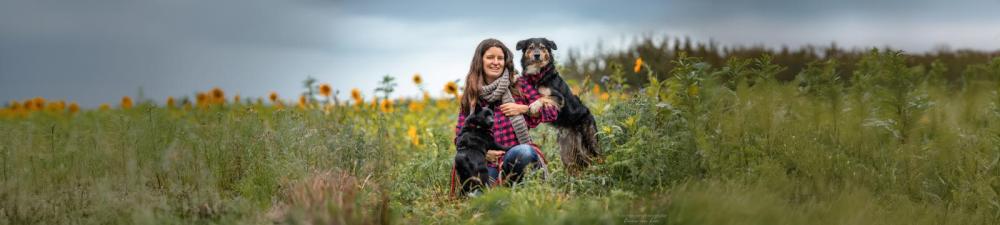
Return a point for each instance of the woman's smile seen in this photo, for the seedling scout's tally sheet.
(493, 63)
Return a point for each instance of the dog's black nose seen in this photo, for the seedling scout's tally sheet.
(537, 56)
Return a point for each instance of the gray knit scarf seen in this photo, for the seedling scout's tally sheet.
(499, 90)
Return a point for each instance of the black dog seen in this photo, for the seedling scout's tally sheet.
(577, 128)
(475, 137)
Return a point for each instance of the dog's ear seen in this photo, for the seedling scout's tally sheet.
(550, 44)
(521, 45)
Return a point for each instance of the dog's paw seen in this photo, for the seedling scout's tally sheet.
(474, 193)
(545, 91)
(535, 107)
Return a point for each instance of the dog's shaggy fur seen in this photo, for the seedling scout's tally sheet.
(577, 127)
(475, 137)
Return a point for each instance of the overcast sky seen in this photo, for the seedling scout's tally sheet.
(96, 51)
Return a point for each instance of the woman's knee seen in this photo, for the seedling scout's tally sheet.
(523, 153)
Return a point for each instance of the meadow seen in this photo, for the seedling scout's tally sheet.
(890, 142)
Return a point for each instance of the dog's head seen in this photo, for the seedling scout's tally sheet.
(480, 119)
(537, 53)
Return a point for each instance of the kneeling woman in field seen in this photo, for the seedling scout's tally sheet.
(493, 82)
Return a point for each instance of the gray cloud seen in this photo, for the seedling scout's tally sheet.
(99, 50)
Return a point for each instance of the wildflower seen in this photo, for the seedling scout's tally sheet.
(605, 96)
(597, 89)
(451, 88)
(325, 90)
(386, 106)
(606, 129)
(171, 102)
(356, 95)
(412, 133)
(126, 102)
(236, 99)
(693, 90)
(630, 122)
(417, 79)
(105, 107)
(273, 96)
(14, 105)
(638, 64)
(73, 107)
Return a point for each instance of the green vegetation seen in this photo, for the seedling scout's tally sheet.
(890, 142)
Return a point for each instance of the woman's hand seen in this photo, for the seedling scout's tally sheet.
(493, 155)
(513, 109)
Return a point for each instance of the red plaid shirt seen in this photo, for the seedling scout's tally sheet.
(503, 130)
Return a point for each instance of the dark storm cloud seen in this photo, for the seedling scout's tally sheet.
(97, 51)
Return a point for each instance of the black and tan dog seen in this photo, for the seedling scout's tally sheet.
(577, 128)
(475, 137)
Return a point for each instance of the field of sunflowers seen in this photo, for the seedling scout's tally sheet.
(896, 143)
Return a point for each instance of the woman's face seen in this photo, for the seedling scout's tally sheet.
(493, 63)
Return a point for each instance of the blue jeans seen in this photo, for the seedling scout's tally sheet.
(515, 161)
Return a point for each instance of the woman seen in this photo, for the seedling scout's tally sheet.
(493, 82)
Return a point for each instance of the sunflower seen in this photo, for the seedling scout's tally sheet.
(356, 95)
(29, 105)
(105, 107)
(325, 90)
(57, 105)
(451, 88)
(236, 99)
(39, 103)
(638, 65)
(14, 105)
(416, 106)
(202, 98)
(171, 102)
(386, 106)
(273, 96)
(302, 102)
(126, 102)
(417, 79)
(73, 107)
(218, 96)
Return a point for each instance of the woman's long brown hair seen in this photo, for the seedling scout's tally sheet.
(476, 77)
